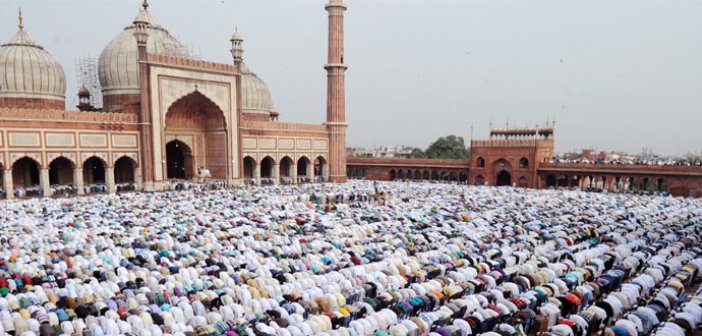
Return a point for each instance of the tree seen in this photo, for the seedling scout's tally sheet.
(417, 153)
(449, 147)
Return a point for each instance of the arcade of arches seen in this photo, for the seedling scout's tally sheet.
(525, 172)
(287, 170)
(62, 176)
(197, 118)
(427, 175)
(607, 182)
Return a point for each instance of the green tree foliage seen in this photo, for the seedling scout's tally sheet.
(417, 153)
(449, 147)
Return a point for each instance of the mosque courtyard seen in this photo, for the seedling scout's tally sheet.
(360, 258)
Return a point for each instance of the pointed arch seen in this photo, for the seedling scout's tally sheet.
(321, 168)
(304, 168)
(249, 167)
(267, 164)
(179, 160)
(196, 114)
(285, 168)
(25, 172)
(125, 168)
(504, 178)
(94, 170)
(61, 171)
(195, 111)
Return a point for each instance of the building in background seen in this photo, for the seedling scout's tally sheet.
(524, 157)
(397, 151)
(166, 116)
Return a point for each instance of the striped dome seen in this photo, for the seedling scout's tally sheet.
(28, 71)
(118, 68)
(255, 96)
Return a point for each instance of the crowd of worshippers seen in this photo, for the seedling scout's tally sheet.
(340, 260)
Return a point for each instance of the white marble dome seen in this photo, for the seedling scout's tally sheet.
(28, 71)
(118, 68)
(255, 96)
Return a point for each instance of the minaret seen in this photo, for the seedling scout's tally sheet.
(336, 101)
(237, 49)
(141, 22)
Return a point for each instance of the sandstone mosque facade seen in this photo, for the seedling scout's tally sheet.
(166, 116)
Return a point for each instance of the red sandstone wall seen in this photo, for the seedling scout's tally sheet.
(125, 103)
(37, 118)
(254, 117)
(381, 168)
(32, 103)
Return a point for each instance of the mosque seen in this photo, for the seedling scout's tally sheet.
(165, 116)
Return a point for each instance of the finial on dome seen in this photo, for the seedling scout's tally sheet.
(20, 25)
(237, 35)
(145, 4)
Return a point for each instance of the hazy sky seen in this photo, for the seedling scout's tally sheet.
(616, 75)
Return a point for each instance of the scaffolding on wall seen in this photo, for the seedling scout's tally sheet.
(87, 75)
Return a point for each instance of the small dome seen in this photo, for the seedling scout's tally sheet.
(29, 71)
(255, 96)
(118, 68)
(236, 37)
(83, 91)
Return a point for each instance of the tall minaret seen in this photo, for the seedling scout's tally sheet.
(336, 92)
(148, 166)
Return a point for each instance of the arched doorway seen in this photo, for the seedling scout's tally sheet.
(504, 178)
(124, 170)
(25, 172)
(94, 171)
(249, 167)
(179, 160)
(392, 175)
(267, 167)
(417, 175)
(550, 180)
(444, 176)
(479, 180)
(504, 172)
(320, 167)
(426, 175)
(197, 117)
(303, 166)
(285, 169)
(61, 171)
(435, 175)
